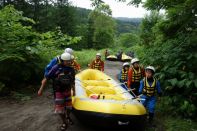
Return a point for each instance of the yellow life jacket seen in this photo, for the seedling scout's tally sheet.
(97, 65)
(137, 75)
(149, 90)
(124, 75)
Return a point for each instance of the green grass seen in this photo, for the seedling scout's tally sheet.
(85, 57)
(179, 124)
(166, 120)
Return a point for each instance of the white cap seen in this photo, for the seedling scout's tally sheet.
(134, 60)
(98, 54)
(126, 64)
(65, 56)
(150, 68)
(68, 50)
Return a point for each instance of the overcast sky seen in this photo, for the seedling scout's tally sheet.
(119, 9)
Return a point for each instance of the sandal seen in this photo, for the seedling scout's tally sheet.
(63, 127)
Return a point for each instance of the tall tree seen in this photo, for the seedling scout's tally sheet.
(101, 26)
(147, 34)
(65, 17)
(48, 14)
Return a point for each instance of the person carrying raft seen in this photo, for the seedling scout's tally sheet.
(123, 75)
(63, 76)
(149, 86)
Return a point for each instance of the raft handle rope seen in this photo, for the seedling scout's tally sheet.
(108, 87)
(131, 90)
(111, 88)
(97, 93)
(86, 88)
(92, 91)
(134, 98)
(127, 101)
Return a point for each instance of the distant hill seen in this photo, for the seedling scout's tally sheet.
(125, 19)
(124, 24)
(82, 15)
(127, 25)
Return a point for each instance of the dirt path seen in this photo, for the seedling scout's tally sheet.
(37, 114)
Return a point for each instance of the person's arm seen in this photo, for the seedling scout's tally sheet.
(50, 74)
(50, 66)
(92, 64)
(46, 72)
(73, 80)
(143, 72)
(158, 88)
(130, 73)
(43, 83)
(102, 66)
(141, 86)
(119, 76)
(78, 66)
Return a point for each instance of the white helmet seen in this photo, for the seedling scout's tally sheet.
(150, 68)
(65, 56)
(72, 57)
(126, 64)
(134, 60)
(68, 50)
(98, 54)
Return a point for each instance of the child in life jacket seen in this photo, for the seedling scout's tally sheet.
(123, 76)
(149, 86)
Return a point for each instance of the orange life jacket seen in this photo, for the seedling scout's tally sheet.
(97, 65)
(137, 75)
(73, 65)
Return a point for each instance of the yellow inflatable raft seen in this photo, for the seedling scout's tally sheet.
(101, 100)
(125, 57)
(112, 58)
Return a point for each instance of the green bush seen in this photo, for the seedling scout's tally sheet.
(175, 62)
(24, 52)
(19, 58)
(128, 39)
